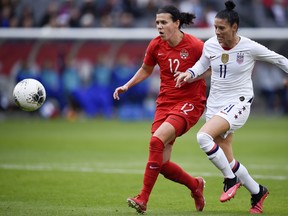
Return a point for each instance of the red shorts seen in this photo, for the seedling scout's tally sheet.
(181, 115)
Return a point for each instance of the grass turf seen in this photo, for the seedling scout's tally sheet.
(90, 167)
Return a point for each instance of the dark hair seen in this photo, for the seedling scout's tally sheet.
(229, 13)
(184, 18)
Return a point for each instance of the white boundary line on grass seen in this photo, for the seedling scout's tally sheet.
(58, 167)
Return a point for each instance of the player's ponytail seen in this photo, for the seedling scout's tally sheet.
(187, 19)
(184, 18)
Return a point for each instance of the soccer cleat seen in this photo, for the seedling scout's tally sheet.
(138, 204)
(198, 195)
(258, 199)
(230, 188)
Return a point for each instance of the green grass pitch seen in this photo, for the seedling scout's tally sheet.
(90, 167)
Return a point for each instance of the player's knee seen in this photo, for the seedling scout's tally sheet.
(156, 145)
(205, 141)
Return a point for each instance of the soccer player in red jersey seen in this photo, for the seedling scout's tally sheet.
(177, 110)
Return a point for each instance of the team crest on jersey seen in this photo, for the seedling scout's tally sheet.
(184, 54)
(240, 57)
(225, 58)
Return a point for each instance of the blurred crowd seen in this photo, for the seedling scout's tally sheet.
(271, 85)
(132, 13)
(83, 87)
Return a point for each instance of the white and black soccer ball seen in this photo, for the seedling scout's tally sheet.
(29, 94)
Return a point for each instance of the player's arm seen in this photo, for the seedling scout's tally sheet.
(183, 77)
(143, 73)
(205, 75)
(262, 53)
(199, 71)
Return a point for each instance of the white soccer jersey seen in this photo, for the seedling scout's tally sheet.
(232, 70)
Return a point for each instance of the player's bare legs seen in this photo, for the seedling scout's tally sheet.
(206, 139)
(258, 192)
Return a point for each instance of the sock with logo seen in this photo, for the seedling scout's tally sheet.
(153, 167)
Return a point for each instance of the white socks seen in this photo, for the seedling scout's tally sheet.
(245, 179)
(218, 158)
(215, 154)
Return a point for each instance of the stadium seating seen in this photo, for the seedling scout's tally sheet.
(91, 50)
(12, 52)
(52, 51)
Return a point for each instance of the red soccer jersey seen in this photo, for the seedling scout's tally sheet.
(171, 59)
(187, 101)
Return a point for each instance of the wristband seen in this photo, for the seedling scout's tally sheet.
(192, 73)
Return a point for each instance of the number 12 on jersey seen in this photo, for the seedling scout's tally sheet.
(176, 64)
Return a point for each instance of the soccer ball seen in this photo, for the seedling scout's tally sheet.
(29, 94)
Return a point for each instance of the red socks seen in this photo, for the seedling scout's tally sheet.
(169, 170)
(153, 167)
(175, 173)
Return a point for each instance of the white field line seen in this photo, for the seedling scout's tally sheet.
(107, 170)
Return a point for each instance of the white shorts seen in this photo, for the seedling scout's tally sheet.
(236, 113)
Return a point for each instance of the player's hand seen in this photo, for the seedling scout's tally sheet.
(119, 90)
(181, 78)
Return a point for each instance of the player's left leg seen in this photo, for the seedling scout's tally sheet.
(196, 185)
(213, 128)
(151, 173)
(258, 192)
(236, 114)
(163, 135)
(175, 173)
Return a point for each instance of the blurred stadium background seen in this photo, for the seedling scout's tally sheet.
(82, 49)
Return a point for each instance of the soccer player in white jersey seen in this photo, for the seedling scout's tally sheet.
(231, 58)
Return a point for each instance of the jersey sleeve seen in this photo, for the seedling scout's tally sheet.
(262, 53)
(201, 65)
(149, 58)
